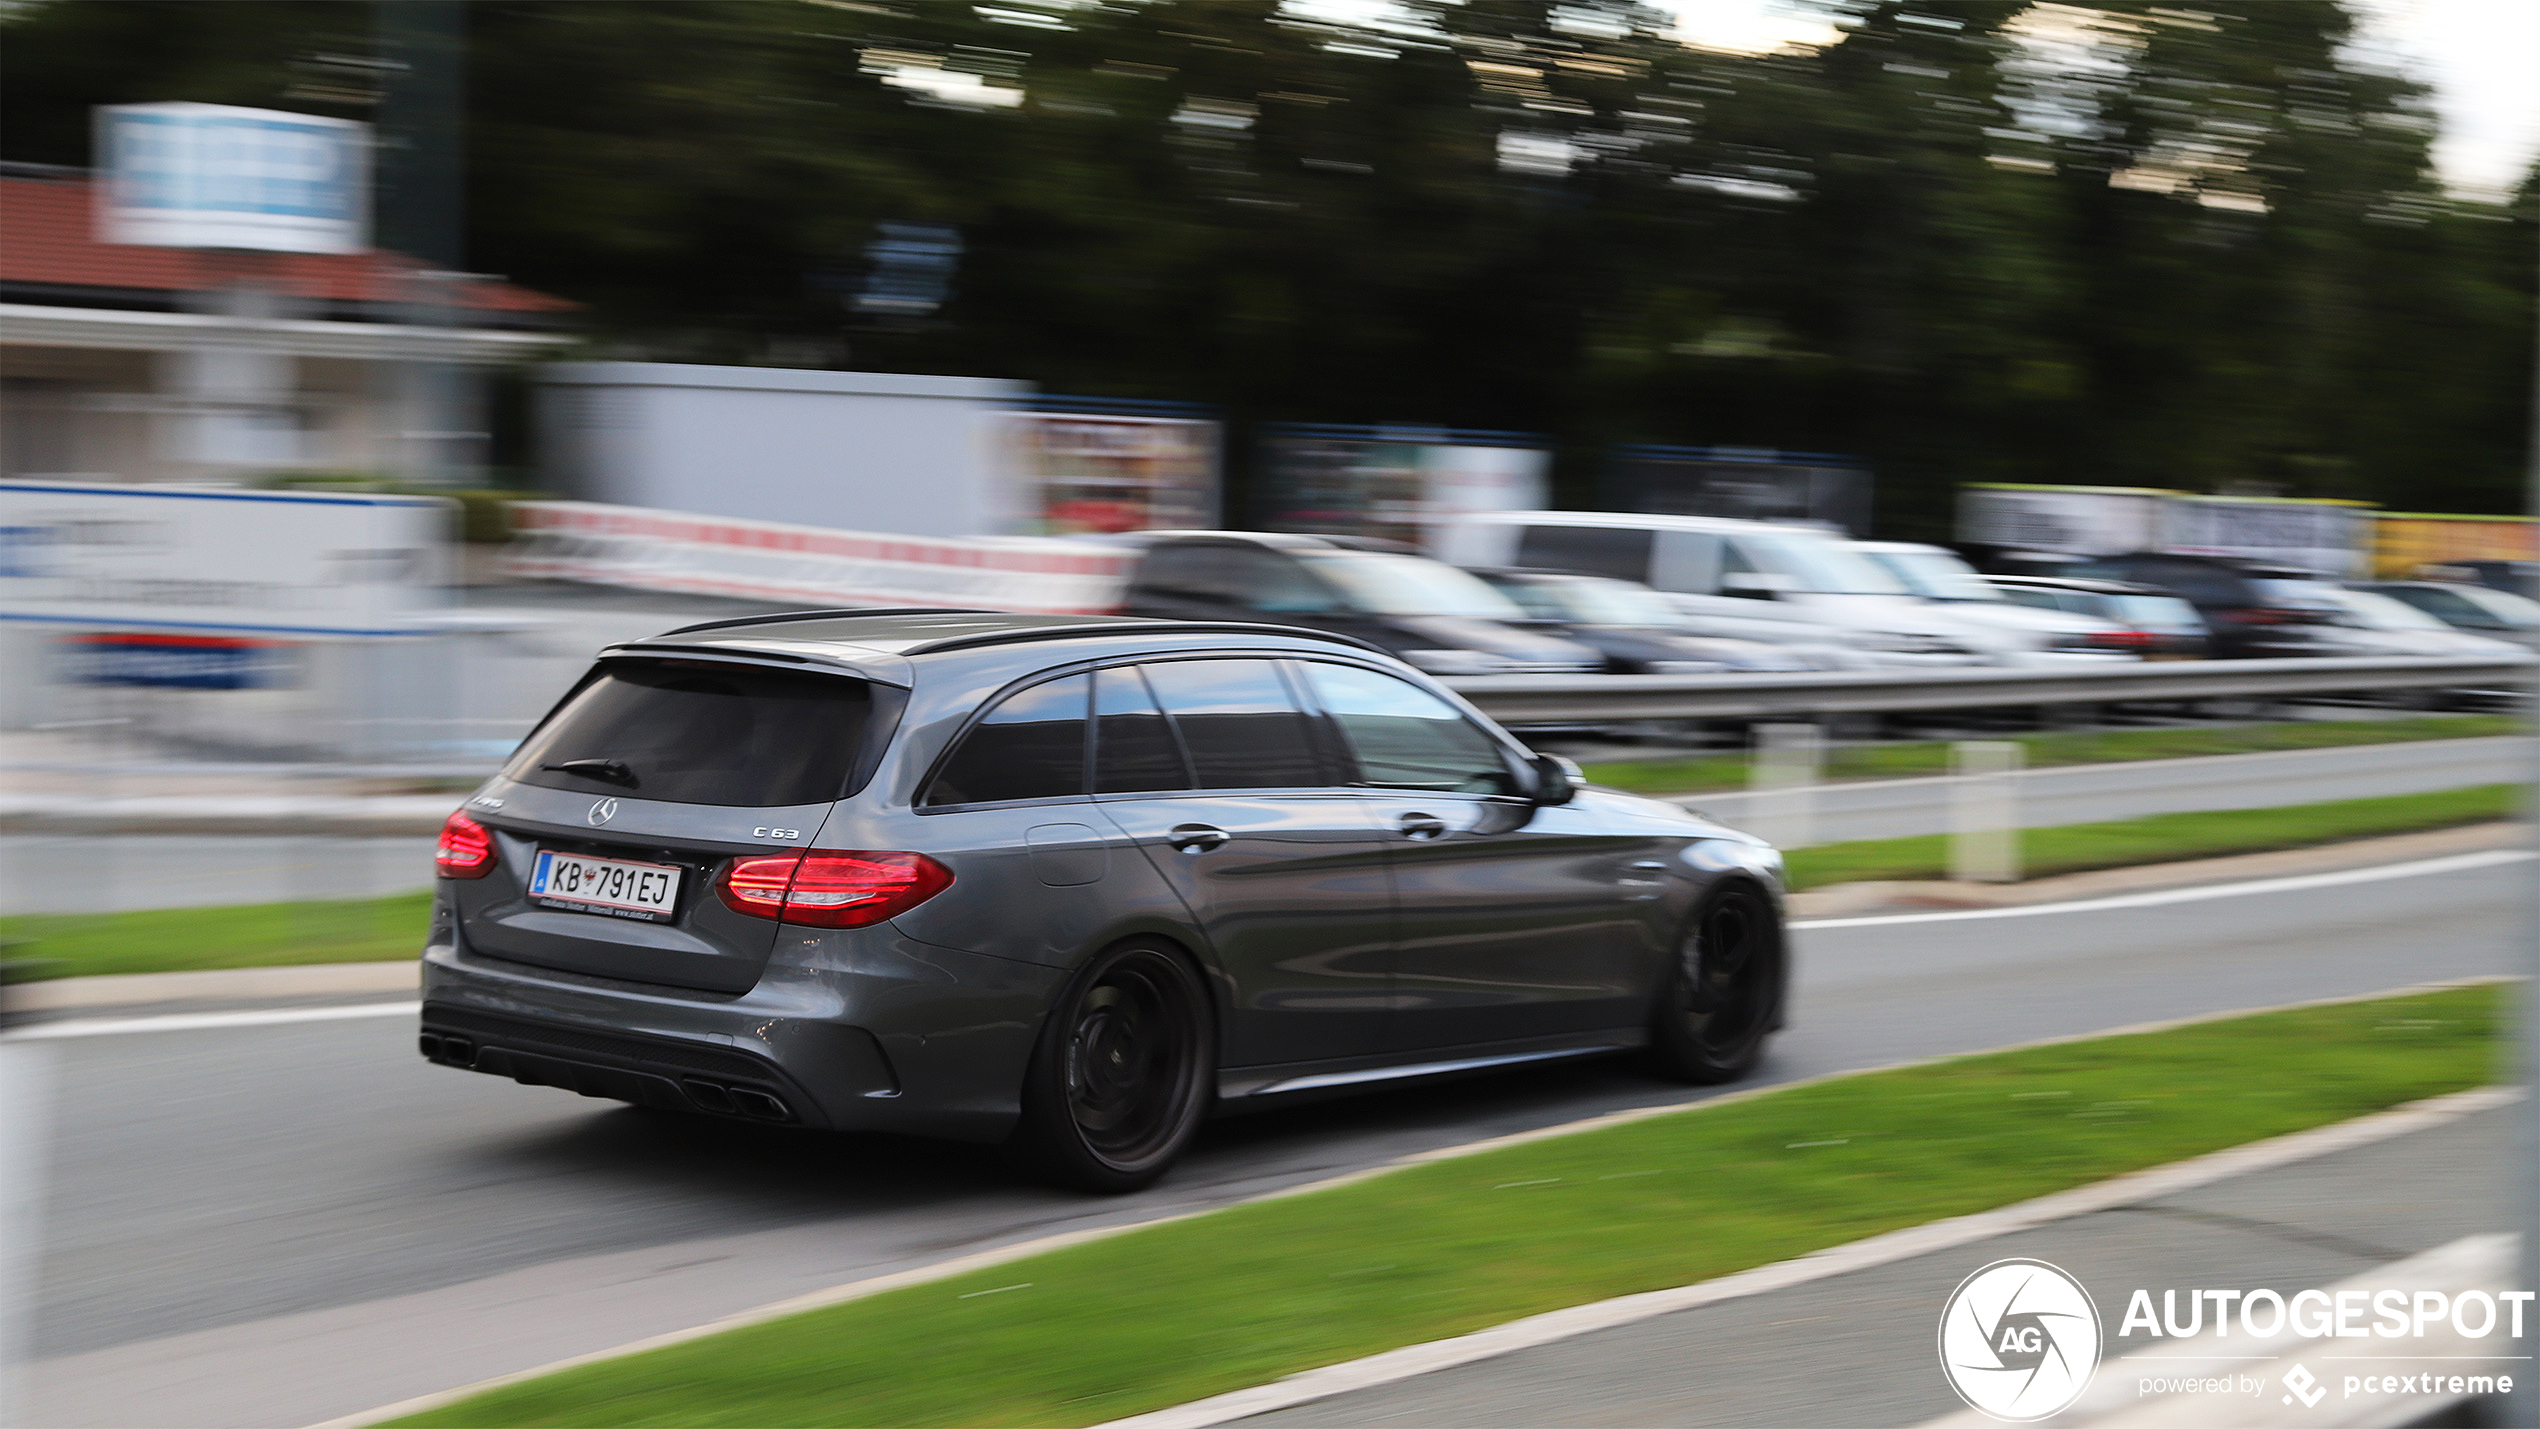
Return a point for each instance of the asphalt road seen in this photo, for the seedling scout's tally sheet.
(280, 1224)
(2092, 793)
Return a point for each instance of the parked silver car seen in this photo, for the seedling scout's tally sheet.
(2035, 635)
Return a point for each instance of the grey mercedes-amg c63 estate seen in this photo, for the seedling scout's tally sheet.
(1067, 883)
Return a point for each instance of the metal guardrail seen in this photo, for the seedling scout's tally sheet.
(1565, 699)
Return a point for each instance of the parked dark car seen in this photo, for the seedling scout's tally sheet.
(1438, 618)
(1067, 883)
(2254, 611)
(1635, 628)
(2150, 621)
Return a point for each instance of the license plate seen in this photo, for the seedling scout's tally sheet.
(605, 885)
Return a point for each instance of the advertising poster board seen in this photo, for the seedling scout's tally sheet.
(1084, 473)
(2061, 520)
(2406, 543)
(1395, 485)
(1741, 483)
(2329, 538)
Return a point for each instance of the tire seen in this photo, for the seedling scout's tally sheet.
(1722, 993)
(1123, 1073)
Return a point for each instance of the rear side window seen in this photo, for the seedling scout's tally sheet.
(1134, 749)
(1242, 728)
(1407, 738)
(1615, 551)
(702, 734)
(1031, 746)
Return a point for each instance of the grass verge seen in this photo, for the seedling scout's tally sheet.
(2166, 838)
(1711, 773)
(1176, 1312)
(351, 930)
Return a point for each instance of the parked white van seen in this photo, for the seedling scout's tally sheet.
(1742, 577)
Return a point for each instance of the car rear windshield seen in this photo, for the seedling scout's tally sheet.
(702, 734)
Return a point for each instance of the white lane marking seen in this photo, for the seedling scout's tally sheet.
(2132, 1189)
(196, 1021)
(2455, 863)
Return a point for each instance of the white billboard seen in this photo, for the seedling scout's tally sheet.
(219, 561)
(217, 176)
(2063, 520)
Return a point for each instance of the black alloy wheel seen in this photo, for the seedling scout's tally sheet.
(1722, 994)
(1121, 1077)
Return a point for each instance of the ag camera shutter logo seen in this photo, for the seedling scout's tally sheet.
(2019, 1340)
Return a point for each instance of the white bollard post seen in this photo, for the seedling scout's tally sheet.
(25, 1126)
(1789, 761)
(1984, 811)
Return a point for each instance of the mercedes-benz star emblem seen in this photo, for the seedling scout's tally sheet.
(601, 813)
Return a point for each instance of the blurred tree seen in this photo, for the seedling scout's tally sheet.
(1973, 239)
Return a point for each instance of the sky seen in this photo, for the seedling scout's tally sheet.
(2480, 56)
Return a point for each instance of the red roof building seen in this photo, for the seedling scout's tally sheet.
(136, 363)
(49, 251)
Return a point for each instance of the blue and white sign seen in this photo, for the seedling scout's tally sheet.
(216, 176)
(218, 561)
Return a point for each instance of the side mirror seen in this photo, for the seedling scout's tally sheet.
(1556, 780)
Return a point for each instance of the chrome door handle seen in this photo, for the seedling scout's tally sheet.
(1197, 838)
(1423, 826)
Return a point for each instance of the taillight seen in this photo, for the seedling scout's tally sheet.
(465, 850)
(832, 888)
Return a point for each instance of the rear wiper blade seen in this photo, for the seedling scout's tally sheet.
(612, 771)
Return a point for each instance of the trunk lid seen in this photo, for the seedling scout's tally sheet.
(617, 817)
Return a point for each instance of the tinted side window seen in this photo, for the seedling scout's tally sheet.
(1239, 723)
(1407, 738)
(1134, 750)
(1191, 572)
(1590, 550)
(1275, 583)
(1031, 746)
(2205, 586)
(2447, 607)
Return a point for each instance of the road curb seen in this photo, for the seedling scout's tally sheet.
(218, 985)
(2132, 1189)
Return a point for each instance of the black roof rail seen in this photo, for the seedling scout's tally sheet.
(783, 616)
(1160, 627)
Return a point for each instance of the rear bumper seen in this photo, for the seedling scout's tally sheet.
(655, 1072)
(916, 1039)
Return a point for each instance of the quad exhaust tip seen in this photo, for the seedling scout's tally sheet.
(716, 1097)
